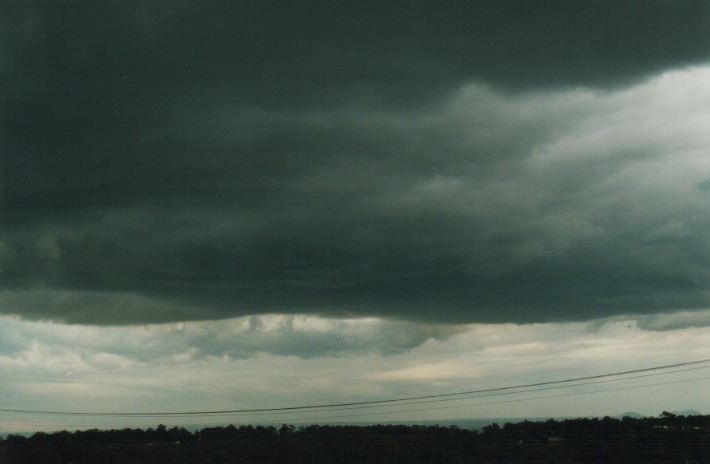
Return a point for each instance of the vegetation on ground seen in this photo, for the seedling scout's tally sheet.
(668, 438)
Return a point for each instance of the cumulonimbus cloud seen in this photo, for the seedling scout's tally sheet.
(561, 205)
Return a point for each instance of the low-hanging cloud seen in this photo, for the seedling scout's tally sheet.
(81, 348)
(458, 162)
(565, 205)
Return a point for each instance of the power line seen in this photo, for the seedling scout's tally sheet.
(486, 395)
(488, 403)
(463, 398)
(390, 401)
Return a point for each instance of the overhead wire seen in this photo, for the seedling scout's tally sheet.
(486, 395)
(517, 400)
(402, 401)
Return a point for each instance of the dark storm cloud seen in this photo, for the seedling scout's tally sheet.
(188, 160)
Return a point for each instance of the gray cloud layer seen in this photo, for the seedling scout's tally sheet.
(239, 338)
(169, 162)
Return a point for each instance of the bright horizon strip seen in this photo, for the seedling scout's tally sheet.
(359, 403)
(516, 392)
(316, 419)
(519, 400)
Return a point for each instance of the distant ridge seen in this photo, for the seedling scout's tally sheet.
(687, 412)
(468, 424)
(636, 415)
(632, 414)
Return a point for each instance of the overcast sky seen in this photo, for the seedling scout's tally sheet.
(349, 201)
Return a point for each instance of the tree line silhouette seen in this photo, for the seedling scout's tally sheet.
(668, 438)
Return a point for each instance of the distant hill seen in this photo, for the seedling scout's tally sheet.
(687, 412)
(632, 414)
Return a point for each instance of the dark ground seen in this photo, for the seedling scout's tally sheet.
(667, 439)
